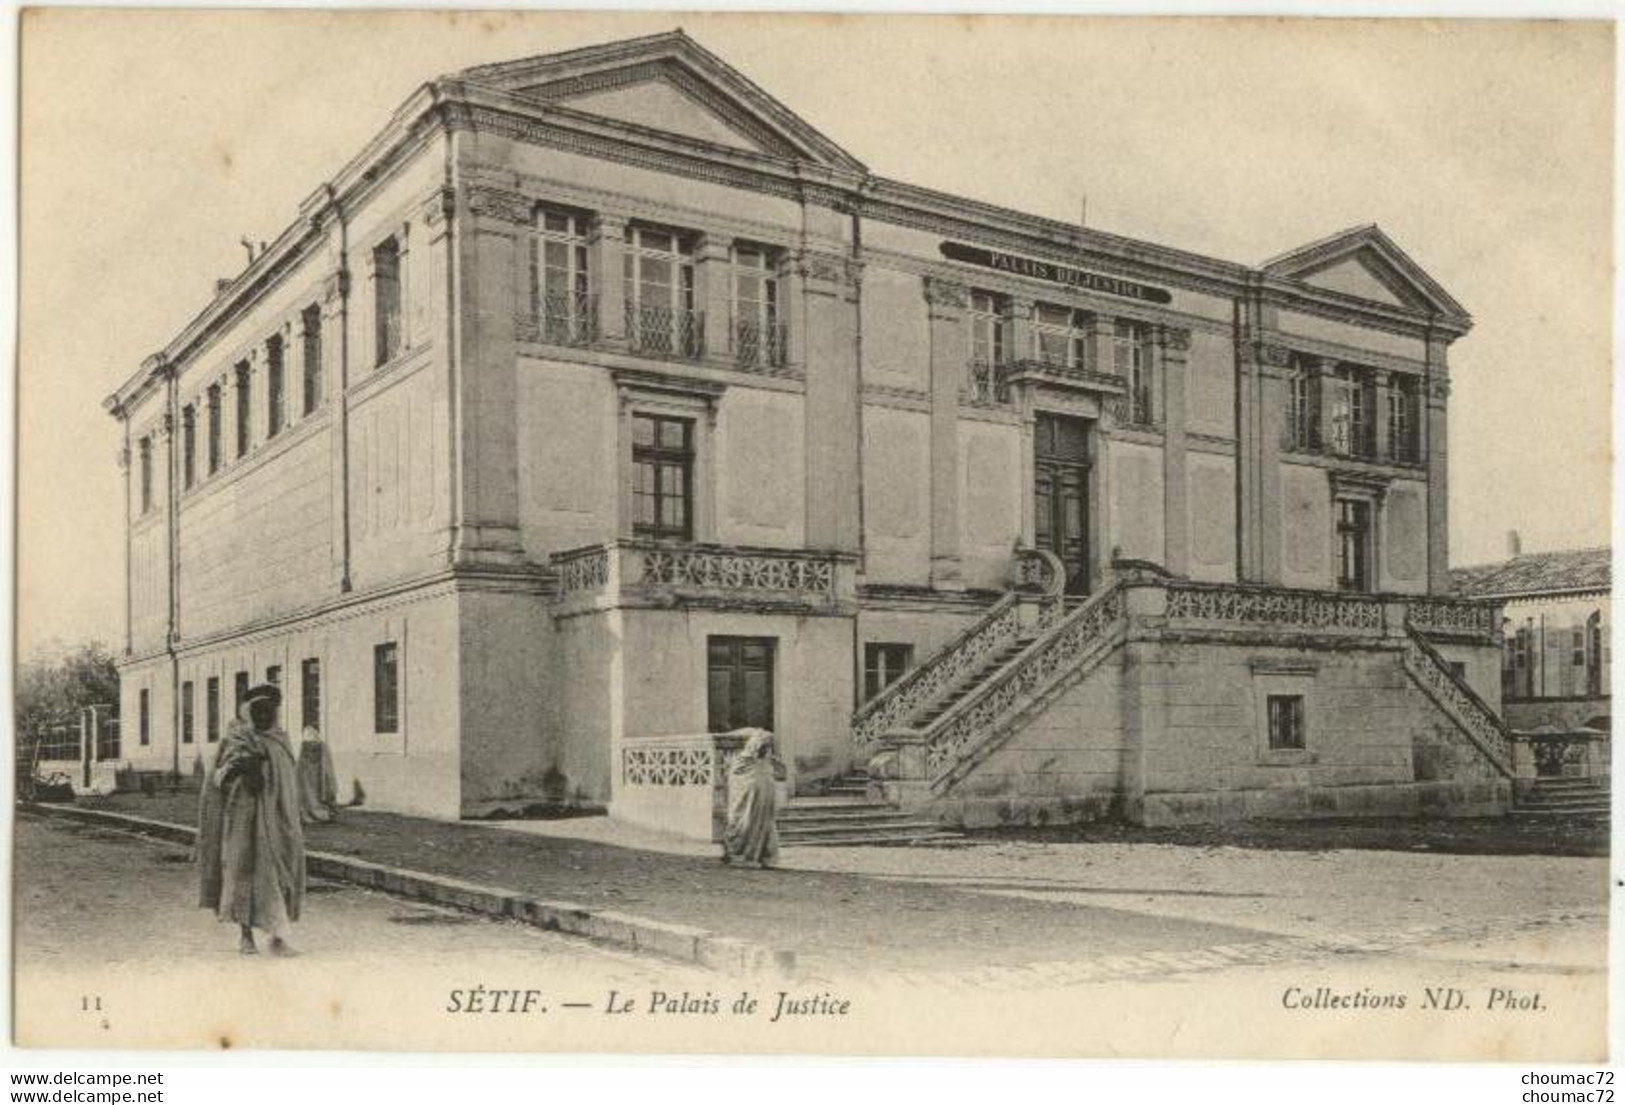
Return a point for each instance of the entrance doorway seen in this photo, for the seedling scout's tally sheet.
(1061, 495)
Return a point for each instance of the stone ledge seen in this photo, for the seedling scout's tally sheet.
(638, 934)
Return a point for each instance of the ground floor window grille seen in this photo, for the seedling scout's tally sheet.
(1286, 722)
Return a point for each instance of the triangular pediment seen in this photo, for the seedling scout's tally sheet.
(1366, 264)
(670, 84)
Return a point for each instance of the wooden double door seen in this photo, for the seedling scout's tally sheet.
(1061, 495)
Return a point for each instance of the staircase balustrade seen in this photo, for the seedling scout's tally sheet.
(1061, 651)
(1472, 715)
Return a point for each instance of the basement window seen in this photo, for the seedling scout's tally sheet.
(1286, 732)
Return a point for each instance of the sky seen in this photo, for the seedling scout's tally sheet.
(153, 141)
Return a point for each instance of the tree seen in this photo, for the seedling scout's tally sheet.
(56, 686)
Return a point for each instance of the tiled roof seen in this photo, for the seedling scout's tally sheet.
(1536, 574)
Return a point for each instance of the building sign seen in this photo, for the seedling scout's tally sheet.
(1055, 274)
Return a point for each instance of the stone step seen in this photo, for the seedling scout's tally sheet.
(1570, 784)
(1564, 804)
(847, 822)
(933, 836)
(1578, 813)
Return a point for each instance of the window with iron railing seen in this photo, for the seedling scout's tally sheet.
(758, 335)
(561, 300)
(1349, 433)
(660, 315)
(989, 320)
(1401, 403)
(1303, 407)
(1131, 358)
(1060, 336)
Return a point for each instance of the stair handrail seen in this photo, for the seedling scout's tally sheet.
(998, 626)
(1473, 716)
(979, 715)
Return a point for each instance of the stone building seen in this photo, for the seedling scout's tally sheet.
(1555, 664)
(600, 403)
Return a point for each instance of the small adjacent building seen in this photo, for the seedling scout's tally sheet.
(601, 404)
(1556, 660)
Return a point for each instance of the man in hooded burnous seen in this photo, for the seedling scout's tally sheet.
(251, 850)
(751, 835)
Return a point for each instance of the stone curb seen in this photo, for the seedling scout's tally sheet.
(638, 934)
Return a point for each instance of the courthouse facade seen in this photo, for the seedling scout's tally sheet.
(600, 403)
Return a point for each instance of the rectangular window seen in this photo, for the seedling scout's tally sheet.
(386, 292)
(187, 719)
(1060, 336)
(1578, 648)
(989, 320)
(1286, 722)
(1303, 406)
(245, 407)
(145, 719)
(310, 333)
(146, 475)
(276, 386)
(1131, 358)
(1402, 420)
(1351, 415)
(211, 702)
(883, 665)
(739, 681)
(663, 477)
(273, 675)
(310, 694)
(189, 446)
(758, 337)
(214, 428)
(239, 693)
(560, 296)
(386, 688)
(659, 274)
(1353, 545)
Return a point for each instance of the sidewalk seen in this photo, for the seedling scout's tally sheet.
(835, 923)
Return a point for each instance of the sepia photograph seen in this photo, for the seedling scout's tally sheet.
(813, 534)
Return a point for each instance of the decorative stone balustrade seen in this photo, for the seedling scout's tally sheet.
(938, 674)
(635, 572)
(677, 784)
(1063, 649)
(1481, 724)
(1275, 608)
(1456, 618)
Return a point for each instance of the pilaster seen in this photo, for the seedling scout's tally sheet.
(1436, 441)
(336, 382)
(829, 286)
(713, 272)
(485, 380)
(1173, 351)
(1099, 339)
(1273, 378)
(606, 247)
(950, 351)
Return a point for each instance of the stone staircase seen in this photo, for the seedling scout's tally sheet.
(1560, 797)
(846, 815)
